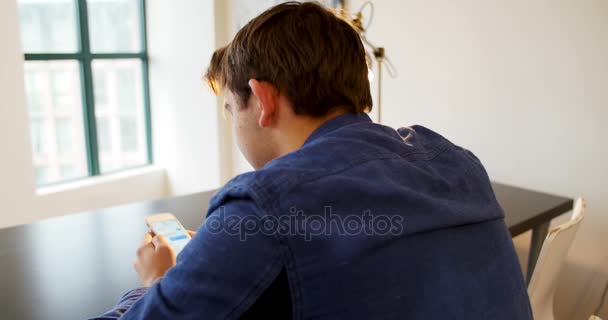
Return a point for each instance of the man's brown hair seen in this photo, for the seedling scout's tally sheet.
(313, 56)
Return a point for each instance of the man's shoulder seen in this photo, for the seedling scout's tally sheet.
(337, 156)
(262, 187)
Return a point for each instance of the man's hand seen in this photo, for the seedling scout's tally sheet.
(154, 258)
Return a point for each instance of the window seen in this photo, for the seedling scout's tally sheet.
(86, 85)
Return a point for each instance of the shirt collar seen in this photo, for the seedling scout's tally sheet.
(336, 123)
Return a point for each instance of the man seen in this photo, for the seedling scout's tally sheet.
(343, 218)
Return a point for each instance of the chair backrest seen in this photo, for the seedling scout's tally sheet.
(550, 260)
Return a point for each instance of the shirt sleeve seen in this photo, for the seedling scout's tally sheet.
(123, 305)
(220, 273)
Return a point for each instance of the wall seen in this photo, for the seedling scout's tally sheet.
(181, 40)
(16, 175)
(523, 84)
(230, 157)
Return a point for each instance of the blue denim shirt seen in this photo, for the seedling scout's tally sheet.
(368, 222)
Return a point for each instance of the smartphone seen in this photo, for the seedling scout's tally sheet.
(167, 225)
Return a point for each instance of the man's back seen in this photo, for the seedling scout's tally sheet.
(377, 225)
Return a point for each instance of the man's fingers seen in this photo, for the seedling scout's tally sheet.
(159, 241)
(147, 239)
(191, 233)
(145, 243)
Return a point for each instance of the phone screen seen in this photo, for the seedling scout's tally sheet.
(173, 231)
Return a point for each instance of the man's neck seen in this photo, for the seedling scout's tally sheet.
(297, 132)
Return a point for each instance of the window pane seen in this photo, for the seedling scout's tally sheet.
(128, 126)
(41, 175)
(63, 89)
(68, 171)
(64, 131)
(56, 120)
(38, 135)
(119, 111)
(100, 91)
(114, 25)
(34, 81)
(103, 135)
(48, 26)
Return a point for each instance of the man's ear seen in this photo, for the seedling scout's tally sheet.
(266, 95)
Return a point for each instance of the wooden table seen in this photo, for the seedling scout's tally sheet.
(77, 266)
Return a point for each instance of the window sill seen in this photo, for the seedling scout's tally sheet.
(100, 180)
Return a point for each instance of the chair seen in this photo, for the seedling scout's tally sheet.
(550, 260)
